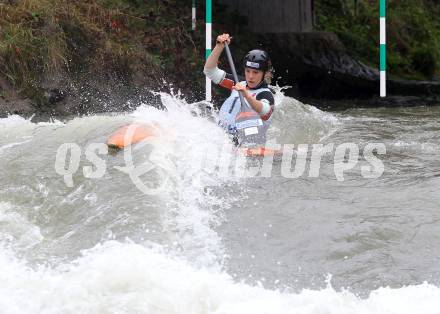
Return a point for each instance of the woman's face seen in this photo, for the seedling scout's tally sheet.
(253, 77)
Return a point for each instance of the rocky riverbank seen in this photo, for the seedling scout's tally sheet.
(319, 68)
(59, 57)
(65, 58)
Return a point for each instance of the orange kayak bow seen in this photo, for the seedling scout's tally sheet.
(135, 133)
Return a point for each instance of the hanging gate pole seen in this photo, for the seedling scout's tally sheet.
(193, 27)
(383, 50)
(208, 44)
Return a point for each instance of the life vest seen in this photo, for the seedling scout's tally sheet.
(242, 121)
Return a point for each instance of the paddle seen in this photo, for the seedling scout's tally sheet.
(234, 72)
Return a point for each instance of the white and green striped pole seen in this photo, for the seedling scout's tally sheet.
(193, 15)
(383, 50)
(208, 44)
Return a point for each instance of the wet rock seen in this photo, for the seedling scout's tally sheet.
(318, 65)
(375, 101)
(54, 96)
(15, 106)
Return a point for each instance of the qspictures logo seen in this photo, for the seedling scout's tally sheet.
(152, 173)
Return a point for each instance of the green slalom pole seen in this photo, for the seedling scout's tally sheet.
(208, 44)
(383, 50)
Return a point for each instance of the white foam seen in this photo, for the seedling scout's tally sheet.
(16, 230)
(191, 212)
(128, 278)
(13, 120)
(298, 123)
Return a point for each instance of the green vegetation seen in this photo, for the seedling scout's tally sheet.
(42, 39)
(413, 33)
(140, 42)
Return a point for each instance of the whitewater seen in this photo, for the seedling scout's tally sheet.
(216, 243)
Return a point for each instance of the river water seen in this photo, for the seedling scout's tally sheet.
(194, 236)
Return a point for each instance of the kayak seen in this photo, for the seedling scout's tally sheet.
(131, 134)
(134, 133)
(259, 152)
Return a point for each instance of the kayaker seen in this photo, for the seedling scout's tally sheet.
(247, 123)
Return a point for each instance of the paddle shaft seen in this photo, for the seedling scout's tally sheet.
(234, 72)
